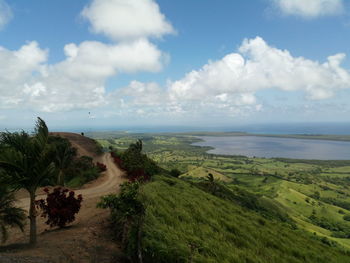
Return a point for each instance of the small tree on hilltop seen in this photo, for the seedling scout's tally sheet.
(60, 206)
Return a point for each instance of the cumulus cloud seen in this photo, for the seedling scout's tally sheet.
(258, 66)
(17, 68)
(142, 94)
(229, 85)
(76, 82)
(127, 19)
(27, 80)
(309, 8)
(5, 14)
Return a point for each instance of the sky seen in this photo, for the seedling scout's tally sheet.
(124, 63)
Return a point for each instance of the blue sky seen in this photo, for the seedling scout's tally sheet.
(118, 63)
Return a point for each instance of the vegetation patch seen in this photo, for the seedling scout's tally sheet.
(183, 224)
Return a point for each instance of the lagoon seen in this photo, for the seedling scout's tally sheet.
(269, 147)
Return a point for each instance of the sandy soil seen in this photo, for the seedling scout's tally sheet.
(88, 239)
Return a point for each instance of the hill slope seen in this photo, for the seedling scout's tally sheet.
(185, 224)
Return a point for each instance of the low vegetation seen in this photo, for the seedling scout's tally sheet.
(10, 216)
(136, 164)
(71, 170)
(59, 207)
(127, 213)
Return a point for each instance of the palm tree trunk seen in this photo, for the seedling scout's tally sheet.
(32, 218)
(60, 178)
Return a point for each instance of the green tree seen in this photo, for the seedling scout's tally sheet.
(9, 214)
(28, 163)
(175, 173)
(137, 146)
(212, 183)
(63, 155)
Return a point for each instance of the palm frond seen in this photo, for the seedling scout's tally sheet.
(10, 216)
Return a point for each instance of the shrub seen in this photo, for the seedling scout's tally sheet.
(346, 217)
(60, 206)
(101, 167)
(127, 212)
(175, 173)
(10, 215)
(136, 164)
(90, 174)
(117, 160)
(81, 171)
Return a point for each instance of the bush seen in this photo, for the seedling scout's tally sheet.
(175, 173)
(81, 171)
(101, 167)
(10, 215)
(346, 217)
(116, 159)
(59, 207)
(90, 174)
(136, 164)
(127, 212)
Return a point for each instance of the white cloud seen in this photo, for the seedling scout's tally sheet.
(142, 94)
(5, 14)
(78, 81)
(258, 66)
(127, 19)
(310, 8)
(228, 87)
(17, 68)
(26, 80)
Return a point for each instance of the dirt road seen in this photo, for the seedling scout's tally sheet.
(108, 183)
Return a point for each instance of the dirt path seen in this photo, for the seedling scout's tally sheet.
(108, 183)
(89, 239)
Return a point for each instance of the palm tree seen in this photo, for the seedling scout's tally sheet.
(9, 214)
(26, 160)
(63, 155)
(137, 146)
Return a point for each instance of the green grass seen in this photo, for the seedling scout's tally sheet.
(76, 182)
(184, 222)
(201, 172)
(288, 181)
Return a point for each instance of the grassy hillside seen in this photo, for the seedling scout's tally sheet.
(314, 193)
(185, 224)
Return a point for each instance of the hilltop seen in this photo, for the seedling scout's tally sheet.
(84, 145)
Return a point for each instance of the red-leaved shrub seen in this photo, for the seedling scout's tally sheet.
(138, 175)
(101, 167)
(60, 206)
(117, 160)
